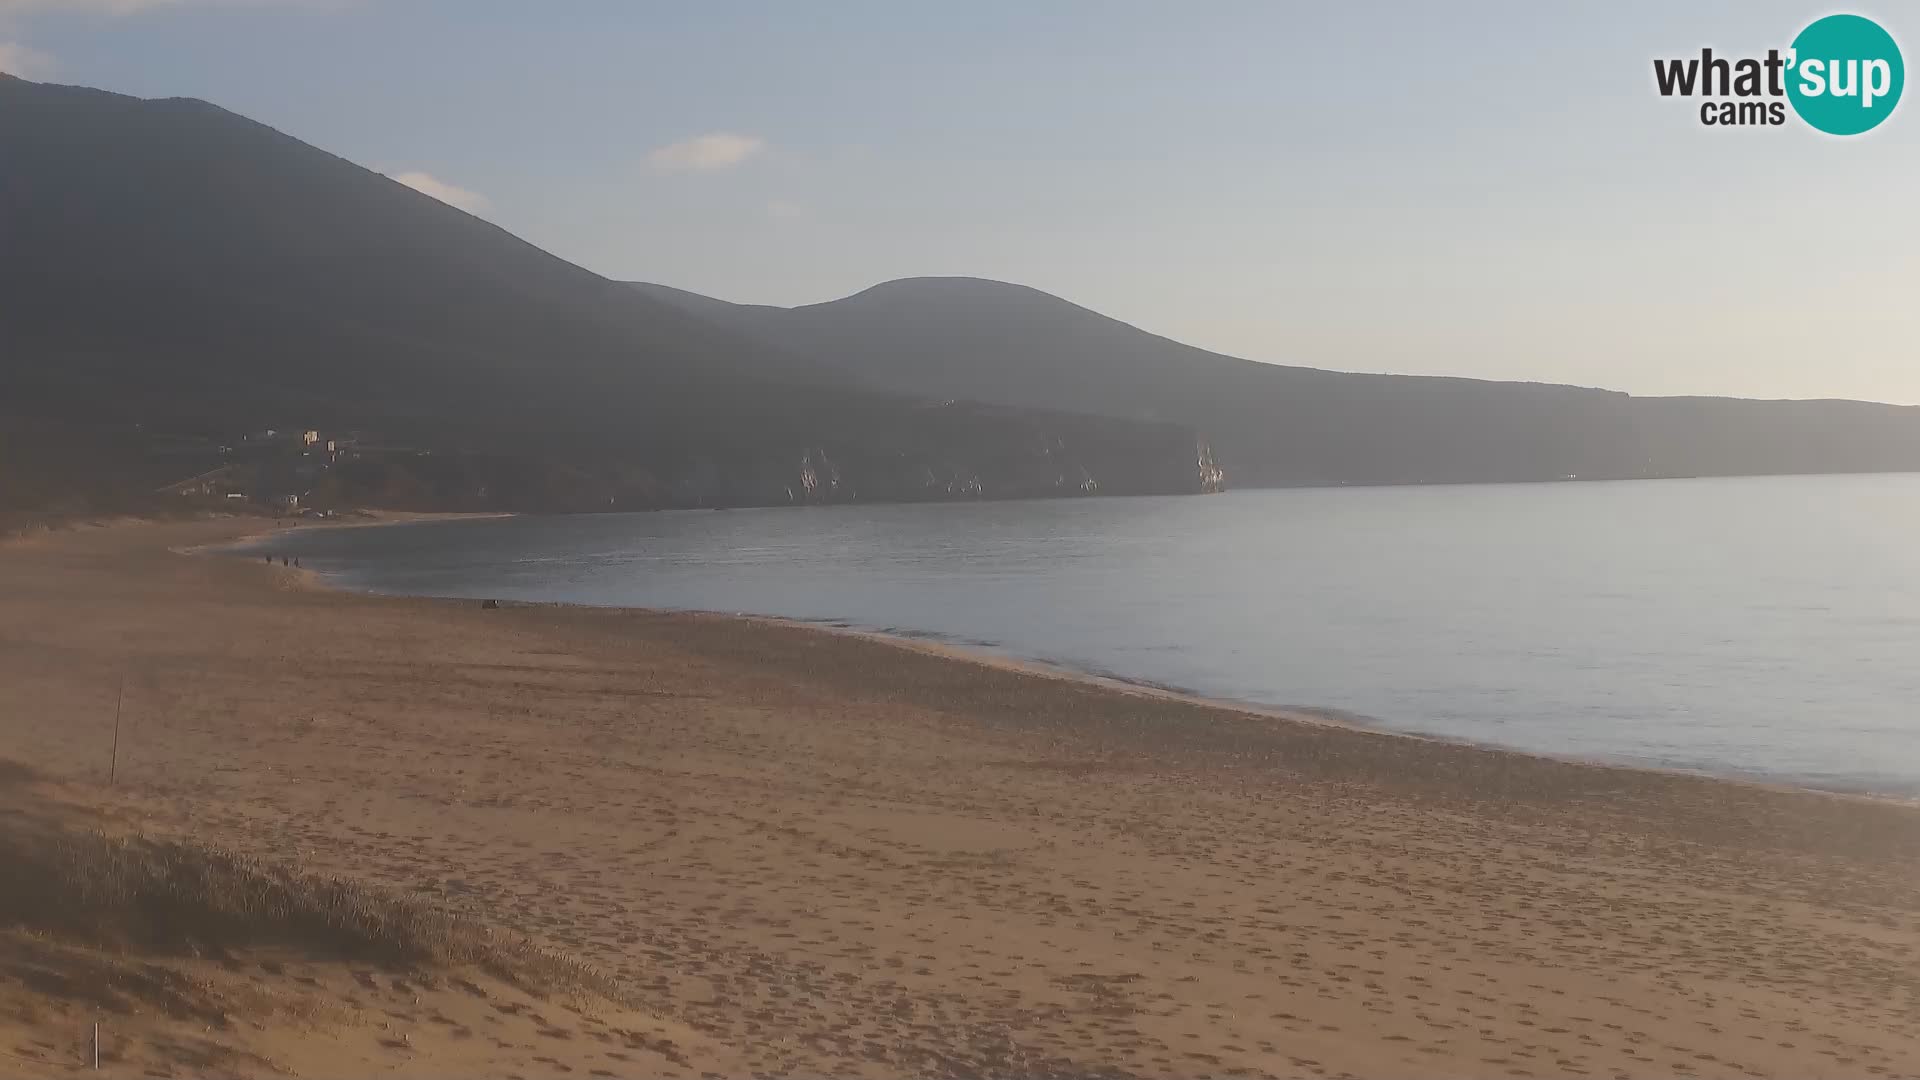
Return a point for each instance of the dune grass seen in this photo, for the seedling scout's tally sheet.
(155, 896)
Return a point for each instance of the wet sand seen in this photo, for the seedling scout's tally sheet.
(814, 853)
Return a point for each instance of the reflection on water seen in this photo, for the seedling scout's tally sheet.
(1766, 626)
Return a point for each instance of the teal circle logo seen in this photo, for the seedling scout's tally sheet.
(1845, 74)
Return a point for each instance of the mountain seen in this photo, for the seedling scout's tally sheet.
(1276, 425)
(170, 264)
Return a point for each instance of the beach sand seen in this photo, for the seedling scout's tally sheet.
(811, 853)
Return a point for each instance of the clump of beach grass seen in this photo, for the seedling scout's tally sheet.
(161, 896)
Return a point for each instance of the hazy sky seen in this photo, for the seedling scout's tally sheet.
(1492, 190)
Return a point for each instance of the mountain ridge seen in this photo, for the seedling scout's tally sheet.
(691, 299)
(1277, 424)
(168, 263)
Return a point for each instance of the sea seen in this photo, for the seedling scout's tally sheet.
(1764, 628)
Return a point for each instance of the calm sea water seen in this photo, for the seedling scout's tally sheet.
(1763, 627)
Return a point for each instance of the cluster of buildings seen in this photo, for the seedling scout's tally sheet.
(272, 467)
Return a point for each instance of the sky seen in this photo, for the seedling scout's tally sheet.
(1484, 189)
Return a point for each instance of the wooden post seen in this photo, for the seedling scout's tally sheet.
(96, 1046)
(113, 768)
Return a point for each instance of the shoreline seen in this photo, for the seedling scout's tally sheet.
(359, 519)
(1301, 715)
(984, 656)
(834, 853)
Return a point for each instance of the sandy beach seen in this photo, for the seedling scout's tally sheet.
(807, 853)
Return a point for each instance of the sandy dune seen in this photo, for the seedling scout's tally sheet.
(815, 854)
